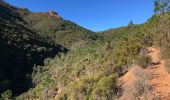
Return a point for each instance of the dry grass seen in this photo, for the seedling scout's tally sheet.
(143, 60)
(135, 84)
(167, 66)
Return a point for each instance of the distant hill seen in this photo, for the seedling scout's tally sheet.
(52, 26)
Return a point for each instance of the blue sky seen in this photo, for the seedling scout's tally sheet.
(96, 15)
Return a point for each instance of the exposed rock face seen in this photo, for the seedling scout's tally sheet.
(53, 14)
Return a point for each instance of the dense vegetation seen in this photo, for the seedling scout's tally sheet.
(53, 27)
(46, 57)
(24, 46)
(89, 71)
(21, 49)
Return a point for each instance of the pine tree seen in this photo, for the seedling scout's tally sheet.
(131, 23)
(161, 6)
(156, 7)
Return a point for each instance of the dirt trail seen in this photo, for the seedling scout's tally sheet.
(161, 79)
(130, 81)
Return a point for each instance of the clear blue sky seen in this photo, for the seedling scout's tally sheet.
(96, 15)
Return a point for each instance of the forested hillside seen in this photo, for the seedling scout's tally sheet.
(53, 27)
(44, 57)
(21, 49)
(24, 46)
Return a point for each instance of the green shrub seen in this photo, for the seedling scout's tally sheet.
(105, 89)
(143, 60)
(7, 95)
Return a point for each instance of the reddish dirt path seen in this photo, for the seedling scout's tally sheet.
(161, 79)
(128, 81)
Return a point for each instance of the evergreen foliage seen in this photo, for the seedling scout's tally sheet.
(46, 57)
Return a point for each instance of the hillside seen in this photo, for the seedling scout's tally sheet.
(21, 49)
(44, 57)
(53, 27)
(24, 46)
(89, 72)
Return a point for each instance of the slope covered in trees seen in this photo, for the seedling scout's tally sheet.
(26, 42)
(52, 26)
(21, 49)
(46, 57)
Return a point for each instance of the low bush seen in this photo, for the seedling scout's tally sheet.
(105, 89)
(137, 85)
(167, 66)
(165, 52)
(7, 95)
(143, 60)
